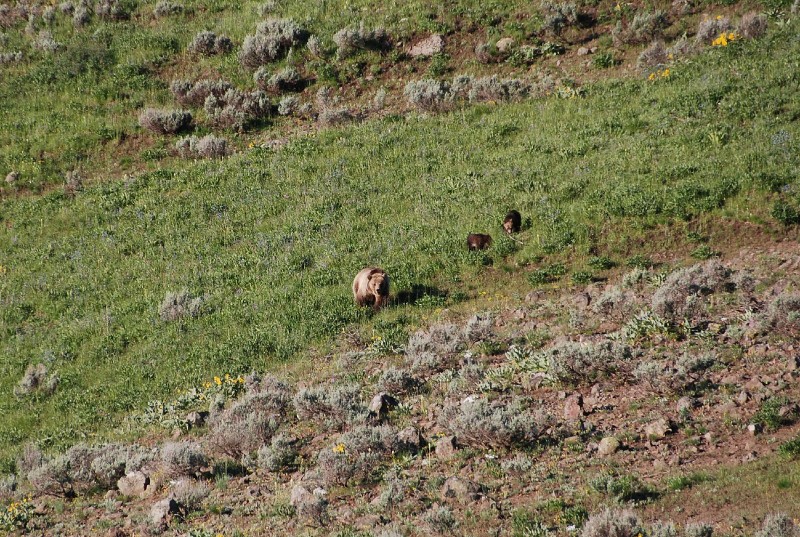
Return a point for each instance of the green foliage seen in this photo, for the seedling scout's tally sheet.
(604, 60)
(771, 416)
(622, 488)
(547, 274)
(704, 252)
(786, 213)
(791, 448)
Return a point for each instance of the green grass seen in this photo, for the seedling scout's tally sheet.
(272, 239)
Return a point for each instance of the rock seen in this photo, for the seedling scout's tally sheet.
(381, 404)
(607, 446)
(658, 429)
(367, 523)
(410, 439)
(715, 328)
(134, 484)
(793, 363)
(12, 177)
(312, 508)
(729, 409)
(788, 412)
(196, 419)
(583, 51)
(582, 300)
(750, 456)
(573, 407)
(460, 489)
(446, 447)
(429, 46)
(754, 428)
(116, 532)
(505, 44)
(754, 385)
(731, 380)
(163, 511)
(572, 440)
(742, 398)
(685, 404)
(593, 50)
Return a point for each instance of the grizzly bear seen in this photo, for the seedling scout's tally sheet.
(478, 241)
(371, 286)
(513, 222)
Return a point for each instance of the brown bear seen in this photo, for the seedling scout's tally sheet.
(371, 286)
(478, 241)
(513, 222)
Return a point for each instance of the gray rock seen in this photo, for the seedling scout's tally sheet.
(754, 428)
(608, 446)
(685, 404)
(583, 51)
(311, 508)
(460, 489)
(410, 439)
(196, 419)
(382, 403)
(134, 484)
(742, 398)
(446, 447)
(12, 177)
(573, 407)
(505, 44)
(430, 46)
(658, 429)
(582, 300)
(162, 512)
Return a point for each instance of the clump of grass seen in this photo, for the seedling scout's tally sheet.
(622, 488)
(165, 121)
(350, 40)
(547, 274)
(775, 413)
(272, 40)
(207, 43)
(785, 212)
(791, 448)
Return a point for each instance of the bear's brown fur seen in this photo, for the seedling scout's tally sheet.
(513, 222)
(478, 241)
(371, 287)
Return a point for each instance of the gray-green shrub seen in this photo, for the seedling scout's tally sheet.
(177, 305)
(331, 406)
(280, 455)
(478, 423)
(165, 121)
(613, 523)
(183, 458)
(272, 40)
(208, 43)
(356, 455)
(349, 40)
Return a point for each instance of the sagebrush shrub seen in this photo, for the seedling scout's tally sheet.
(752, 25)
(356, 455)
(81, 16)
(183, 458)
(440, 518)
(349, 40)
(45, 42)
(289, 105)
(783, 313)
(558, 15)
(111, 10)
(653, 56)
(165, 8)
(280, 455)
(287, 79)
(272, 40)
(476, 422)
(336, 116)
(332, 406)
(397, 382)
(613, 523)
(492, 88)
(177, 305)
(315, 46)
(778, 525)
(427, 94)
(575, 362)
(7, 58)
(165, 121)
(208, 146)
(195, 94)
(208, 43)
(663, 529)
(36, 380)
(684, 291)
(699, 529)
(710, 28)
(189, 493)
(236, 109)
(645, 26)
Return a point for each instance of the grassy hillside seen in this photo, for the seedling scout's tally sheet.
(271, 239)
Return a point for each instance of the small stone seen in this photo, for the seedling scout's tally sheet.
(134, 484)
(686, 404)
(750, 456)
(382, 403)
(162, 512)
(367, 523)
(715, 328)
(731, 380)
(505, 44)
(742, 398)
(12, 177)
(310, 507)
(608, 446)
(596, 390)
(460, 489)
(583, 51)
(754, 428)
(754, 385)
(793, 363)
(572, 440)
(582, 300)
(196, 419)
(446, 447)
(573, 407)
(430, 46)
(658, 429)
(410, 439)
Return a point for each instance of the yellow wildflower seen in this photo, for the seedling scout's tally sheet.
(206, 385)
(652, 76)
(338, 448)
(217, 381)
(719, 17)
(665, 73)
(3, 269)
